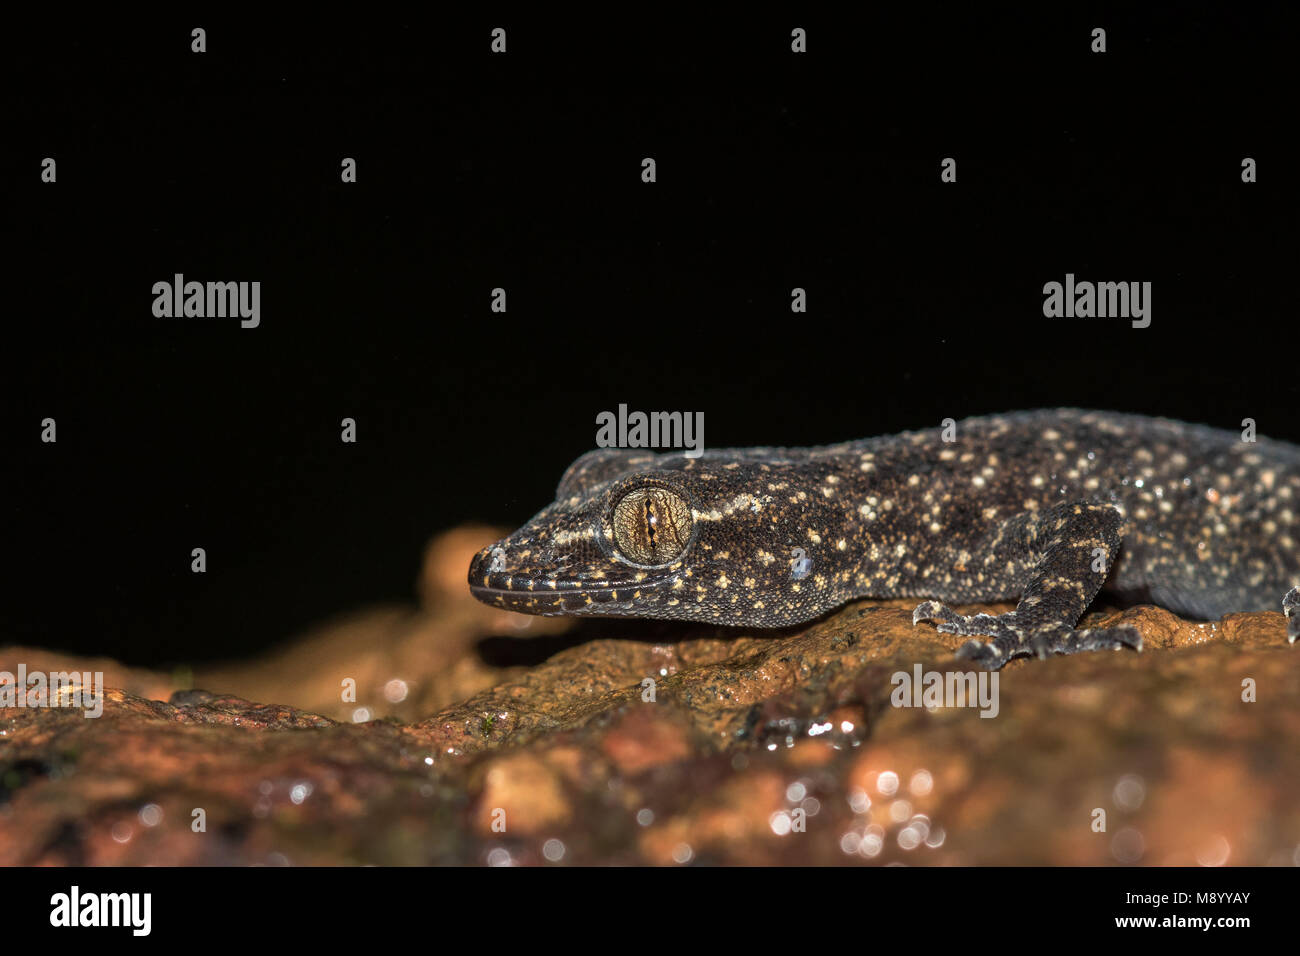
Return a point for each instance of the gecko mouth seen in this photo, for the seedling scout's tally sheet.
(516, 589)
(561, 600)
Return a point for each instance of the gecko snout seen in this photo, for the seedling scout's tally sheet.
(489, 568)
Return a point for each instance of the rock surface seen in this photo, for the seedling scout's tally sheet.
(632, 742)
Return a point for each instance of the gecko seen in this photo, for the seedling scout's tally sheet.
(1045, 508)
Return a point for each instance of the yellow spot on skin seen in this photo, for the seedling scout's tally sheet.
(723, 580)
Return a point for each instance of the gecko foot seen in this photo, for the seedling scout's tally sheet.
(1008, 638)
(1003, 629)
(1066, 640)
(1291, 608)
(992, 655)
(948, 621)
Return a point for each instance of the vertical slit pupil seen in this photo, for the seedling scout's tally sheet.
(650, 522)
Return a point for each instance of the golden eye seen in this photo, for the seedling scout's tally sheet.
(652, 525)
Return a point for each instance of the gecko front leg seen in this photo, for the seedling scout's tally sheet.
(1063, 555)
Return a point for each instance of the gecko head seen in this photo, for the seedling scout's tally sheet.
(636, 535)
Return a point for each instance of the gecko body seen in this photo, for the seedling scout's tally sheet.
(1044, 507)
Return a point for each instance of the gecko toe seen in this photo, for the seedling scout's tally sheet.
(1291, 608)
(1066, 640)
(930, 611)
(986, 654)
(973, 625)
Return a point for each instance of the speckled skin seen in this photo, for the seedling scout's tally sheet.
(1046, 507)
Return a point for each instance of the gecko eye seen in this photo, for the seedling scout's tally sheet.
(652, 525)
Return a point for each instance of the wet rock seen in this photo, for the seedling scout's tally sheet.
(533, 741)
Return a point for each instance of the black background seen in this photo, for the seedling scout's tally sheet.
(523, 171)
